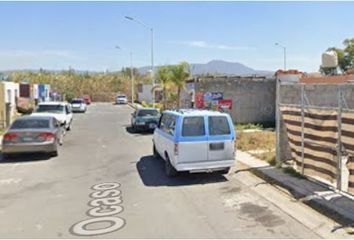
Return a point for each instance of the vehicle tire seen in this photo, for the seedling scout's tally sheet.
(225, 171)
(5, 156)
(54, 154)
(156, 153)
(68, 128)
(169, 169)
(134, 129)
(61, 139)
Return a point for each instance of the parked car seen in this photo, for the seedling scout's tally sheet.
(145, 119)
(87, 99)
(121, 99)
(195, 141)
(29, 134)
(60, 110)
(78, 105)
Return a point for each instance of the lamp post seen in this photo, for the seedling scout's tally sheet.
(284, 53)
(131, 72)
(152, 50)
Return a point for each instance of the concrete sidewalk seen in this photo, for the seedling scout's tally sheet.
(135, 105)
(335, 205)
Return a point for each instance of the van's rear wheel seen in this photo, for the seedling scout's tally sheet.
(5, 156)
(225, 171)
(169, 169)
(53, 154)
(156, 154)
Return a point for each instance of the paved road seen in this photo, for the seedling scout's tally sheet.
(45, 198)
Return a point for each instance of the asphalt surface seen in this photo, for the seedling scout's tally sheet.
(50, 197)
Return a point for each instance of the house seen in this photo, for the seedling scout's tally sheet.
(9, 93)
(145, 93)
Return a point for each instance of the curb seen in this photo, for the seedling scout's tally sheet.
(319, 204)
(131, 105)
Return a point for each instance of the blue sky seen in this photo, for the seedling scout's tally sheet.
(56, 35)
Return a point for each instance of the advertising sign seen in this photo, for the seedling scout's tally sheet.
(217, 95)
(199, 100)
(225, 104)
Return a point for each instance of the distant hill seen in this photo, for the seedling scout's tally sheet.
(220, 67)
(214, 67)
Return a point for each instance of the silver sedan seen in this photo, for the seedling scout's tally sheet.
(30, 134)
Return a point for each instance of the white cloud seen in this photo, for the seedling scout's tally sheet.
(203, 44)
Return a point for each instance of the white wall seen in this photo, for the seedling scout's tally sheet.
(35, 93)
(289, 77)
(146, 94)
(12, 90)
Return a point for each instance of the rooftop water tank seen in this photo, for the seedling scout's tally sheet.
(329, 59)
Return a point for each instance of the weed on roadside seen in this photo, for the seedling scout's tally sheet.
(291, 171)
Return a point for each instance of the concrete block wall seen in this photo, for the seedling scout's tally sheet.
(253, 99)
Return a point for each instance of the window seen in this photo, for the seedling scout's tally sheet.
(55, 123)
(218, 126)
(30, 123)
(168, 124)
(50, 108)
(143, 113)
(193, 126)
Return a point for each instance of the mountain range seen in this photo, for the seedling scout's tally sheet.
(214, 67)
(219, 67)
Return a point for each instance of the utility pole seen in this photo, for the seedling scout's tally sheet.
(152, 51)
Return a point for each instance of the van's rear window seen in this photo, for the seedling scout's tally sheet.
(218, 126)
(193, 126)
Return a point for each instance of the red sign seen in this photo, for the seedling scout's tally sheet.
(199, 100)
(225, 104)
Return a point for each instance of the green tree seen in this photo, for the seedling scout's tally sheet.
(179, 75)
(164, 77)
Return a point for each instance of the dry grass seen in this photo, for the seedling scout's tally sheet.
(263, 141)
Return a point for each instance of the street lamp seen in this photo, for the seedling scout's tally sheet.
(152, 50)
(131, 72)
(284, 52)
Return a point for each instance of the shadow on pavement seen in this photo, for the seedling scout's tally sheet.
(130, 130)
(28, 157)
(152, 173)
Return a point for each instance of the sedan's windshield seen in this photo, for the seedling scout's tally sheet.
(50, 108)
(30, 123)
(121, 96)
(144, 113)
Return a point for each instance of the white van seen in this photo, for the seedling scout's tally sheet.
(195, 141)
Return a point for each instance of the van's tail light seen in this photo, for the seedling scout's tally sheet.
(8, 137)
(175, 151)
(47, 136)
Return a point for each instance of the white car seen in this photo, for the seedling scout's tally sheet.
(78, 105)
(121, 99)
(60, 110)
